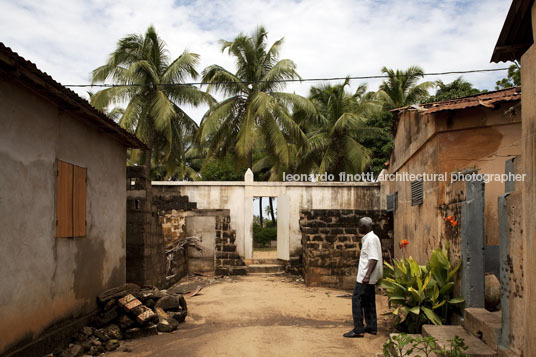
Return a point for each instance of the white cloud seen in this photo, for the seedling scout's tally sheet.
(68, 39)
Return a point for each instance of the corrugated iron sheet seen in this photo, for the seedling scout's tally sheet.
(489, 100)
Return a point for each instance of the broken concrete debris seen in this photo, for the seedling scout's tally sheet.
(127, 312)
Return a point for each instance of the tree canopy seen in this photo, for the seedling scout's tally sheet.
(149, 86)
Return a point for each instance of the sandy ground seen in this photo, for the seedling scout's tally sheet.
(263, 316)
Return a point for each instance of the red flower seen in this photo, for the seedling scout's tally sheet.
(403, 243)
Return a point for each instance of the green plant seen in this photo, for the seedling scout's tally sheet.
(406, 345)
(266, 234)
(420, 294)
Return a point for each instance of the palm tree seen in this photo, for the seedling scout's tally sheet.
(400, 89)
(334, 135)
(255, 110)
(456, 89)
(153, 89)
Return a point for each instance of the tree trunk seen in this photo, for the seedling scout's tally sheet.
(272, 209)
(260, 212)
(250, 160)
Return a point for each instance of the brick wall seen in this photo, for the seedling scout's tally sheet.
(331, 244)
(147, 250)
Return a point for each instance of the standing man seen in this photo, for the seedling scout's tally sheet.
(369, 271)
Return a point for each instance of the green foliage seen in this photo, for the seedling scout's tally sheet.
(379, 143)
(420, 294)
(254, 112)
(401, 88)
(334, 135)
(222, 169)
(404, 345)
(455, 89)
(513, 78)
(264, 235)
(139, 65)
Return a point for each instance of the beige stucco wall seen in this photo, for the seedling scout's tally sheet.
(446, 142)
(528, 99)
(46, 279)
(238, 198)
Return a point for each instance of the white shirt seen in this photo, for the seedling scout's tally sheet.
(371, 248)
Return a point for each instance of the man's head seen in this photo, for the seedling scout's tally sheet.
(365, 225)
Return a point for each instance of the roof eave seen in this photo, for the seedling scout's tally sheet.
(28, 75)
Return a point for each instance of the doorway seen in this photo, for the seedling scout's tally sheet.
(265, 232)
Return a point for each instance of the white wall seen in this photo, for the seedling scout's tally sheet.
(238, 198)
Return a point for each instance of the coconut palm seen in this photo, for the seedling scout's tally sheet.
(334, 135)
(400, 89)
(153, 89)
(255, 110)
(456, 89)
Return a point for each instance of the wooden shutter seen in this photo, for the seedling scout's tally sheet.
(64, 200)
(417, 193)
(79, 201)
(70, 200)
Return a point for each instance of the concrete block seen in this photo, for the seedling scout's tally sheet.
(483, 324)
(444, 334)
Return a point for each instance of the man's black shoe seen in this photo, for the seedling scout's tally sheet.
(352, 334)
(372, 332)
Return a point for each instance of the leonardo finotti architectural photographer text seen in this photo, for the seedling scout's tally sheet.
(403, 176)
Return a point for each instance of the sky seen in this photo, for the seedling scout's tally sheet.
(325, 38)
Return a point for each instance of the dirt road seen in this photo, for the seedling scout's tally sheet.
(263, 316)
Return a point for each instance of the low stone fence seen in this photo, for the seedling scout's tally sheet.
(331, 244)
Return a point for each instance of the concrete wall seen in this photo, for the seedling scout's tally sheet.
(528, 98)
(448, 142)
(512, 336)
(47, 279)
(238, 198)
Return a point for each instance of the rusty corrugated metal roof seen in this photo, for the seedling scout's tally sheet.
(489, 99)
(26, 73)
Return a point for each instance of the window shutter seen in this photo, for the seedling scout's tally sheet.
(64, 199)
(392, 202)
(79, 201)
(416, 193)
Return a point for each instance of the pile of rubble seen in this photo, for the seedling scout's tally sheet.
(128, 312)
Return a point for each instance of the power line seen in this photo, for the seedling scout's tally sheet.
(282, 80)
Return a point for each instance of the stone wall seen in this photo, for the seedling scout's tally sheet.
(331, 244)
(148, 248)
(228, 261)
(237, 197)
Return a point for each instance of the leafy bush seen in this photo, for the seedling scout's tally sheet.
(421, 294)
(264, 235)
(403, 345)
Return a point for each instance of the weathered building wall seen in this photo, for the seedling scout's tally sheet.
(331, 244)
(445, 142)
(481, 139)
(238, 198)
(513, 335)
(528, 99)
(47, 279)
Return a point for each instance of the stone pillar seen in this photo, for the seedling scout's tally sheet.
(473, 241)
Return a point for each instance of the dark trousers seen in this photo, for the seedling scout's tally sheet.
(364, 303)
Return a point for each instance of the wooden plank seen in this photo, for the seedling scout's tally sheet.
(64, 199)
(79, 201)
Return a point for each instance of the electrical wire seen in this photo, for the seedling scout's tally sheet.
(280, 81)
